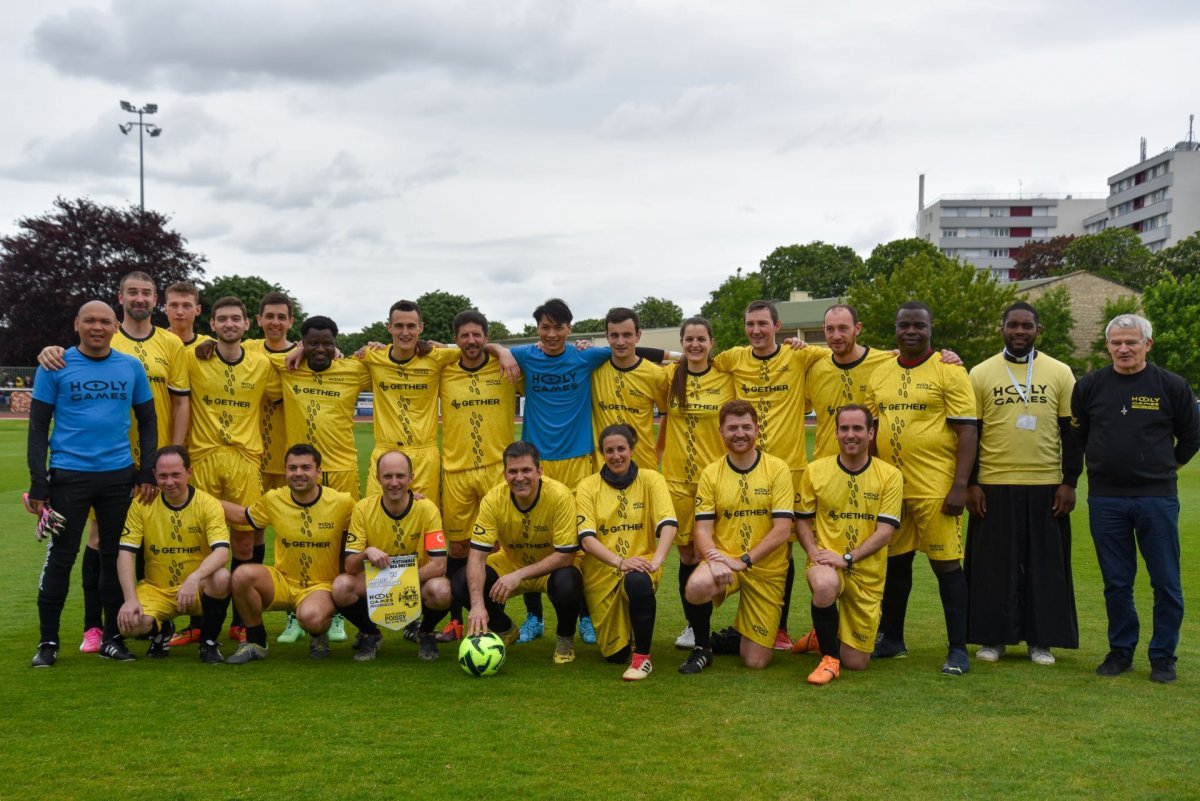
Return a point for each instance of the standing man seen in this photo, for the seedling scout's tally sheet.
(276, 315)
(90, 401)
(532, 520)
(744, 512)
(478, 408)
(1022, 491)
(849, 507)
(625, 386)
(394, 523)
(182, 308)
(1137, 424)
(186, 544)
(927, 411)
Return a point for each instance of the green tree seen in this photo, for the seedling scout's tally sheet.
(437, 310)
(821, 269)
(250, 289)
(1058, 324)
(1042, 259)
(1116, 254)
(888, 257)
(966, 304)
(588, 325)
(375, 332)
(658, 312)
(497, 330)
(76, 252)
(1182, 258)
(726, 308)
(530, 330)
(1122, 304)
(1173, 306)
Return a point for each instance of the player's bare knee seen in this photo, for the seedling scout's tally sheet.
(436, 592)
(687, 554)
(853, 659)
(218, 585)
(700, 587)
(314, 618)
(754, 656)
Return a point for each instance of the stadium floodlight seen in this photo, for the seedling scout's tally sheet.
(143, 129)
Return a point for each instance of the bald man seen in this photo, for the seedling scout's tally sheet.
(90, 465)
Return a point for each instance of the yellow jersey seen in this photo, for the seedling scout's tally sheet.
(915, 406)
(175, 540)
(626, 395)
(406, 396)
(693, 433)
(626, 521)
(417, 530)
(528, 535)
(744, 505)
(271, 423)
(775, 385)
(831, 386)
(197, 338)
(478, 409)
(845, 507)
(308, 537)
(227, 402)
(319, 409)
(161, 354)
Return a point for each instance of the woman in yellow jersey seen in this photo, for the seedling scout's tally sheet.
(689, 438)
(621, 510)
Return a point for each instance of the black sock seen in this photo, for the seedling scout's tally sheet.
(214, 617)
(259, 554)
(952, 586)
(153, 629)
(257, 635)
(642, 608)
(825, 621)
(359, 613)
(699, 617)
(685, 573)
(787, 594)
(430, 618)
(233, 566)
(453, 565)
(896, 589)
(533, 605)
(90, 573)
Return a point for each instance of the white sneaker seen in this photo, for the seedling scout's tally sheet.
(990, 653)
(1040, 656)
(686, 640)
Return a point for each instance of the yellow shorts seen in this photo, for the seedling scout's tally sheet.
(683, 498)
(462, 492)
(924, 528)
(427, 470)
(272, 481)
(607, 603)
(290, 594)
(229, 475)
(343, 481)
(160, 604)
(568, 471)
(761, 605)
(503, 565)
(858, 611)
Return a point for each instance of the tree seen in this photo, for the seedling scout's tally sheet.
(1173, 306)
(658, 312)
(375, 332)
(497, 330)
(1116, 254)
(966, 304)
(1042, 259)
(588, 325)
(437, 310)
(1122, 304)
(250, 289)
(530, 330)
(1182, 258)
(1058, 323)
(76, 252)
(726, 308)
(887, 257)
(821, 269)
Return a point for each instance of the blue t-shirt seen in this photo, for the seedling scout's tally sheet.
(558, 399)
(92, 400)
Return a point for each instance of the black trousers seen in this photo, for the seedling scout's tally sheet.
(72, 494)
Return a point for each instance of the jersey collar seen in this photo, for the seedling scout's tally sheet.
(536, 498)
(750, 469)
(407, 507)
(191, 494)
(850, 472)
(313, 502)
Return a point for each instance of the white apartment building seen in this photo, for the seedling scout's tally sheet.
(1158, 197)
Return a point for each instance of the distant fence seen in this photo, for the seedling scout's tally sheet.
(15, 388)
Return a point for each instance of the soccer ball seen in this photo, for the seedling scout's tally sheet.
(481, 654)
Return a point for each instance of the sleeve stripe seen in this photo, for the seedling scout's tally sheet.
(806, 515)
(670, 521)
(706, 515)
(348, 549)
(440, 552)
(587, 533)
(221, 544)
(788, 513)
(250, 520)
(176, 391)
(885, 519)
(566, 548)
(127, 547)
(479, 546)
(961, 419)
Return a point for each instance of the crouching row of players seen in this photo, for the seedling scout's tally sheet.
(607, 542)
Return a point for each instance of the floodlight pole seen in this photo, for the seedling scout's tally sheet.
(149, 108)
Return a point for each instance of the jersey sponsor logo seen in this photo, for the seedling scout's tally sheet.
(552, 382)
(617, 407)
(286, 543)
(761, 491)
(618, 529)
(466, 404)
(729, 514)
(1009, 394)
(1145, 402)
(871, 496)
(98, 390)
(385, 386)
(762, 390)
(903, 407)
(175, 549)
(324, 393)
(850, 515)
(237, 404)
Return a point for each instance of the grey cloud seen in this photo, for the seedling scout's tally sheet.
(696, 108)
(835, 134)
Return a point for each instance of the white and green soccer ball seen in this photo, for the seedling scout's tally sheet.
(481, 654)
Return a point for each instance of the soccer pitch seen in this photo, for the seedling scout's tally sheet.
(293, 728)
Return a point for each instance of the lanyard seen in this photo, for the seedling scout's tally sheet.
(1028, 391)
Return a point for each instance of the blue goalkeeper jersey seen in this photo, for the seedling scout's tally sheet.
(558, 399)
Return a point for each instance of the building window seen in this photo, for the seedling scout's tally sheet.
(1039, 231)
(997, 211)
(1041, 211)
(970, 211)
(1021, 211)
(998, 253)
(950, 211)
(949, 233)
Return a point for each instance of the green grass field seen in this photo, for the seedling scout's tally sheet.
(292, 728)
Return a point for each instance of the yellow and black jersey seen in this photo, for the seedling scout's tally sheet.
(308, 537)
(831, 386)
(775, 385)
(417, 530)
(693, 433)
(406, 396)
(227, 402)
(161, 354)
(626, 395)
(915, 406)
(319, 410)
(627, 521)
(175, 540)
(271, 424)
(744, 505)
(528, 535)
(197, 339)
(478, 409)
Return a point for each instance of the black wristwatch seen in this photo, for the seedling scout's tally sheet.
(746, 561)
(849, 557)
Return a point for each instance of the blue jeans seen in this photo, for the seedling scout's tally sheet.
(1153, 523)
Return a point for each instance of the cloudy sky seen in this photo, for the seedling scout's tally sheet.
(358, 152)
